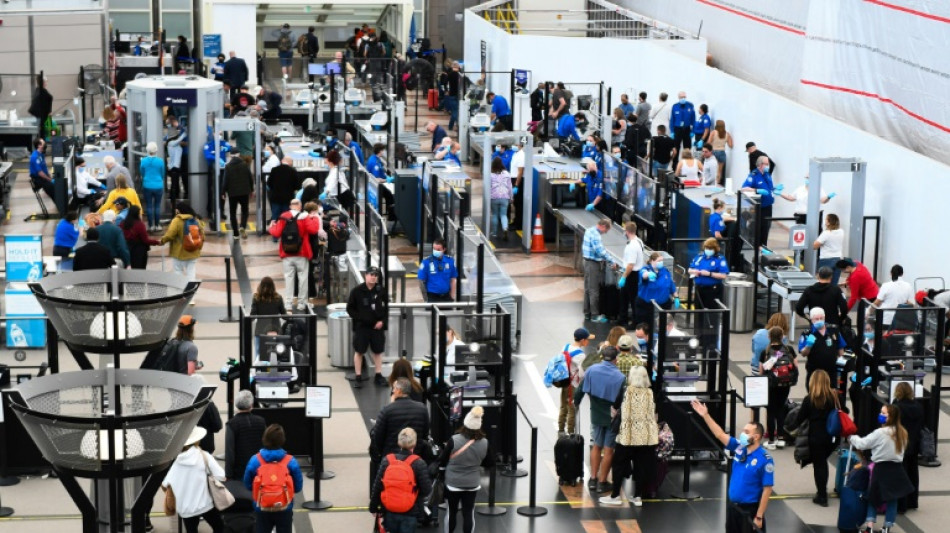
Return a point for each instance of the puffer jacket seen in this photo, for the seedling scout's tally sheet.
(175, 234)
(638, 418)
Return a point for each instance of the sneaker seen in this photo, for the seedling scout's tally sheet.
(358, 382)
(886, 529)
(600, 319)
(243, 233)
(380, 381)
(587, 317)
(611, 500)
(867, 529)
(637, 502)
(780, 443)
(822, 501)
(604, 486)
(148, 525)
(769, 445)
(592, 483)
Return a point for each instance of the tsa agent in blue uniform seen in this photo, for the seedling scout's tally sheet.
(656, 285)
(505, 153)
(566, 127)
(355, 148)
(39, 173)
(723, 227)
(376, 167)
(594, 183)
(500, 110)
(760, 182)
(438, 275)
(753, 473)
(708, 270)
(702, 125)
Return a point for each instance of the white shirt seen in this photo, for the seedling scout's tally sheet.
(517, 161)
(330, 186)
(450, 357)
(633, 254)
(269, 165)
(690, 172)
(710, 170)
(892, 294)
(801, 199)
(943, 299)
(832, 243)
(188, 480)
(83, 180)
(661, 117)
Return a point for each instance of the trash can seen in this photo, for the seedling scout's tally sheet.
(740, 299)
(339, 336)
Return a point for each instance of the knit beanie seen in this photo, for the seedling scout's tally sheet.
(473, 420)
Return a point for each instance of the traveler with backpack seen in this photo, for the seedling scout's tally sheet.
(462, 459)
(188, 480)
(565, 371)
(273, 477)
(777, 361)
(368, 308)
(285, 48)
(400, 486)
(187, 236)
(816, 407)
(293, 229)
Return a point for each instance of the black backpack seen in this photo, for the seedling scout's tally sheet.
(290, 238)
(784, 372)
(170, 359)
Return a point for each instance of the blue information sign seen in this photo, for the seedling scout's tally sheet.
(24, 257)
(211, 45)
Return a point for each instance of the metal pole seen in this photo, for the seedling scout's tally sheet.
(227, 281)
(418, 86)
(317, 453)
(491, 509)
(532, 508)
(480, 279)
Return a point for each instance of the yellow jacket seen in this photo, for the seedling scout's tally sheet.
(175, 234)
(128, 193)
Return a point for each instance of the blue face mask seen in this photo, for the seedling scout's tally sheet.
(659, 266)
(589, 144)
(806, 181)
(743, 439)
(819, 324)
(642, 342)
(708, 252)
(869, 335)
(682, 100)
(437, 254)
(881, 419)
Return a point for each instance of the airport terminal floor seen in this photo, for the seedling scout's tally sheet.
(553, 293)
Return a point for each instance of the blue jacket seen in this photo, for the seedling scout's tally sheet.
(566, 127)
(594, 185)
(375, 167)
(66, 234)
(437, 274)
(273, 456)
(111, 236)
(355, 147)
(682, 115)
(660, 290)
(152, 170)
(500, 107)
(702, 124)
(716, 224)
(757, 180)
(37, 164)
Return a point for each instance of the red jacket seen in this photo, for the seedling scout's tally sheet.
(862, 285)
(308, 226)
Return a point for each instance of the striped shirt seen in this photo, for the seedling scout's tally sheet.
(593, 248)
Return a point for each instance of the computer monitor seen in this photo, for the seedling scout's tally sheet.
(333, 68)
(680, 347)
(317, 69)
(276, 349)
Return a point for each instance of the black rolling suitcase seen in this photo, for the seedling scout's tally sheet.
(609, 300)
(569, 456)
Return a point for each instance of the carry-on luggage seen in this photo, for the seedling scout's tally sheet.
(609, 300)
(852, 498)
(569, 456)
(662, 469)
(243, 522)
(846, 461)
(433, 99)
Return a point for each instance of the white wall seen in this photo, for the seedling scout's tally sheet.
(898, 179)
(237, 25)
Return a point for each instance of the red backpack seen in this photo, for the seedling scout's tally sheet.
(273, 486)
(399, 485)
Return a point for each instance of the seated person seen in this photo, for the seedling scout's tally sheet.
(89, 191)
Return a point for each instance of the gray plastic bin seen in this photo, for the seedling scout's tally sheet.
(740, 299)
(339, 336)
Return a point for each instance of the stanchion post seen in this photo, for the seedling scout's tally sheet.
(5, 481)
(227, 281)
(511, 440)
(532, 509)
(491, 509)
(317, 453)
(685, 493)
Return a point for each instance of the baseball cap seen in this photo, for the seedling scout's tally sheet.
(186, 321)
(374, 271)
(919, 297)
(581, 334)
(625, 342)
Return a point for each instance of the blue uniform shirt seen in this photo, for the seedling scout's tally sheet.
(500, 107)
(627, 109)
(38, 164)
(505, 157)
(660, 290)
(716, 224)
(715, 265)
(566, 127)
(751, 473)
(437, 274)
(375, 167)
(702, 124)
(452, 157)
(757, 180)
(682, 115)
(595, 186)
(355, 147)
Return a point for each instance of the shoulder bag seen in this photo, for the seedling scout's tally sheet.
(220, 494)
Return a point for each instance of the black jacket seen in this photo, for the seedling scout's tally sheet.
(235, 72)
(368, 306)
(912, 418)
(393, 418)
(42, 104)
(242, 439)
(313, 45)
(423, 482)
(636, 139)
(819, 441)
(827, 297)
(237, 178)
(92, 256)
(283, 181)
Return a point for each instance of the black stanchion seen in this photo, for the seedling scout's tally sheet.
(511, 468)
(317, 454)
(491, 509)
(227, 278)
(532, 509)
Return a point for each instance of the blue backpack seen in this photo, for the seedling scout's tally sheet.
(558, 371)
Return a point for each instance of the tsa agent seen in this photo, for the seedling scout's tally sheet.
(708, 270)
(760, 182)
(656, 285)
(438, 275)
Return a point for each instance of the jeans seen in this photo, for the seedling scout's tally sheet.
(400, 522)
(266, 522)
(593, 279)
(212, 517)
(467, 499)
(184, 268)
(499, 215)
(153, 205)
(277, 209)
(657, 167)
(890, 513)
(300, 266)
(452, 104)
(830, 262)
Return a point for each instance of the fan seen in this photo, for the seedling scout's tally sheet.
(94, 79)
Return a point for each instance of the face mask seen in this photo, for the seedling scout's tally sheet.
(708, 252)
(266, 155)
(642, 342)
(743, 439)
(806, 181)
(658, 265)
(819, 324)
(437, 253)
(869, 335)
(589, 144)
(498, 148)
(682, 100)
(881, 418)
(382, 154)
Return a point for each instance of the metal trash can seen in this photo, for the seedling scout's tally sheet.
(740, 299)
(339, 336)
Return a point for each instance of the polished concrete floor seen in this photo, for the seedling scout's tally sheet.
(552, 292)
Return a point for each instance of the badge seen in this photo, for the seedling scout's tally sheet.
(769, 467)
(828, 342)
(754, 461)
(432, 267)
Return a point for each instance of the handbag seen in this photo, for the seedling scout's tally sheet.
(438, 491)
(171, 507)
(220, 494)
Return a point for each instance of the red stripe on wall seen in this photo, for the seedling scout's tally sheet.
(880, 98)
(752, 17)
(909, 10)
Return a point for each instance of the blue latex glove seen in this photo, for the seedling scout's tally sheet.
(762, 192)
(854, 377)
(590, 207)
(676, 303)
(766, 251)
(832, 195)
(779, 188)
(572, 187)
(866, 382)
(390, 179)
(622, 282)
(654, 375)
(514, 190)
(809, 341)
(651, 276)
(323, 196)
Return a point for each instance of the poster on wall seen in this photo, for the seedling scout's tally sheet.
(26, 322)
(521, 78)
(24, 257)
(211, 45)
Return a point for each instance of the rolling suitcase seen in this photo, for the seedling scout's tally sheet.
(609, 300)
(846, 461)
(569, 456)
(852, 499)
(433, 99)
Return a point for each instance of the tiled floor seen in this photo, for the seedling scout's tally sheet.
(42, 505)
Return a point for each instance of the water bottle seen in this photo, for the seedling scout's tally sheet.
(34, 274)
(17, 336)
